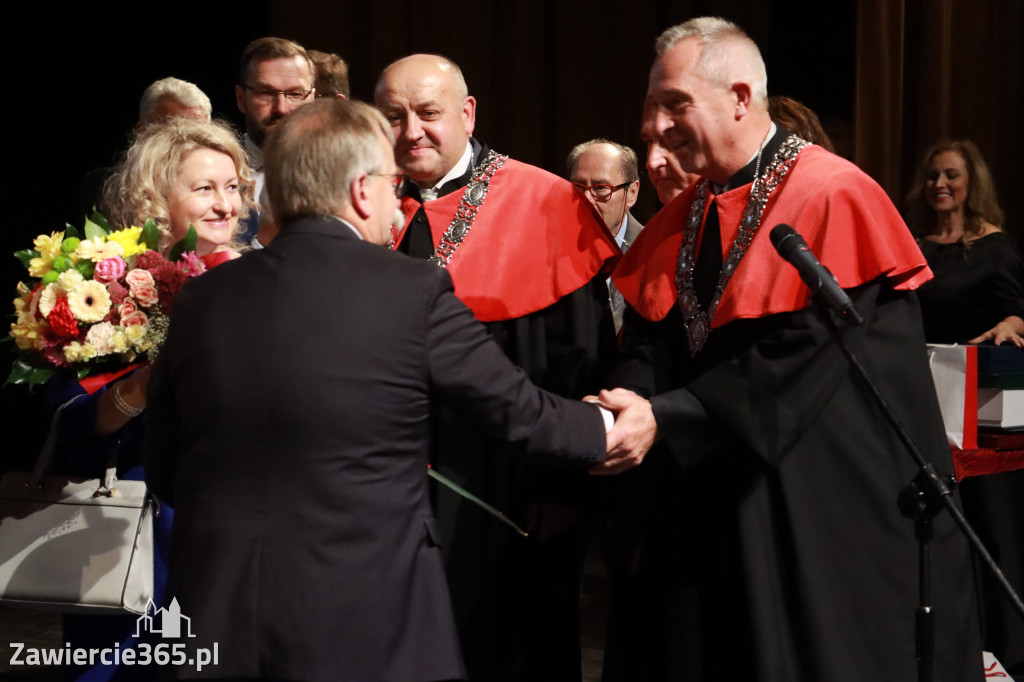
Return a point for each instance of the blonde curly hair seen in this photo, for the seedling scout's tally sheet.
(141, 183)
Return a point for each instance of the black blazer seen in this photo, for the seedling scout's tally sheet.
(290, 429)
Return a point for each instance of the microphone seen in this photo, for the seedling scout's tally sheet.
(792, 247)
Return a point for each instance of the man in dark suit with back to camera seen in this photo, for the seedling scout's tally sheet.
(290, 425)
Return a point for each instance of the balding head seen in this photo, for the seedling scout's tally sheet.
(422, 66)
(619, 154)
(425, 99)
(606, 172)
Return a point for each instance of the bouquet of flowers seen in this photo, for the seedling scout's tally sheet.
(98, 303)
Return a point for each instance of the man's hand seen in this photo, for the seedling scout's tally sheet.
(633, 434)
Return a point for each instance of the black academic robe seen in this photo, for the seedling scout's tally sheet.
(777, 551)
(516, 599)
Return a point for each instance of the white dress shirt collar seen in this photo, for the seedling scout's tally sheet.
(457, 171)
(620, 236)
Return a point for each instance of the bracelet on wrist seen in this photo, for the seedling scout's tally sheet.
(122, 405)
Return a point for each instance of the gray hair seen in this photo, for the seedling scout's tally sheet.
(187, 94)
(627, 157)
(727, 53)
(315, 153)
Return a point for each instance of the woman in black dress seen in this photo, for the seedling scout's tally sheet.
(978, 291)
(977, 296)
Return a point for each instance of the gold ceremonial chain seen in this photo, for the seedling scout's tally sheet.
(696, 321)
(472, 200)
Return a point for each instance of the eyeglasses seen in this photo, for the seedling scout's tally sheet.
(601, 192)
(397, 181)
(267, 95)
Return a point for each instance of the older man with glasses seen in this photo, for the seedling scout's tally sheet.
(607, 174)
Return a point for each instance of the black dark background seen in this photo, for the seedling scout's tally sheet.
(547, 75)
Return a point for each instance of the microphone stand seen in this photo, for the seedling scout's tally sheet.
(926, 495)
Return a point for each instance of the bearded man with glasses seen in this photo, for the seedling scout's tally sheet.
(275, 77)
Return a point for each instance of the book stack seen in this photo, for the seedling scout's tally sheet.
(1001, 397)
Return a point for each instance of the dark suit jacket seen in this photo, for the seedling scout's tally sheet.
(633, 228)
(290, 430)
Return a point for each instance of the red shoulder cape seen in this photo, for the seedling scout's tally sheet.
(535, 240)
(848, 222)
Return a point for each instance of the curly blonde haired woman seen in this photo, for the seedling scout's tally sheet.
(183, 173)
(179, 173)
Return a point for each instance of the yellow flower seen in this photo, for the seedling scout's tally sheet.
(136, 333)
(27, 333)
(119, 342)
(48, 247)
(69, 279)
(73, 351)
(37, 267)
(128, 238)
(24, 300)
(89, 301)
(97, 249)
(79, 352)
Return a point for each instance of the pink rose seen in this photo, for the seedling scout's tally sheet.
(146, 294)
(134, 319)
(138, 277)
(127, 308)
(109, 270)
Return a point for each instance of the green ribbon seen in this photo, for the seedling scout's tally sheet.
(459, 490)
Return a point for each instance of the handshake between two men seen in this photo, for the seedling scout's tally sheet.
(634, 432)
